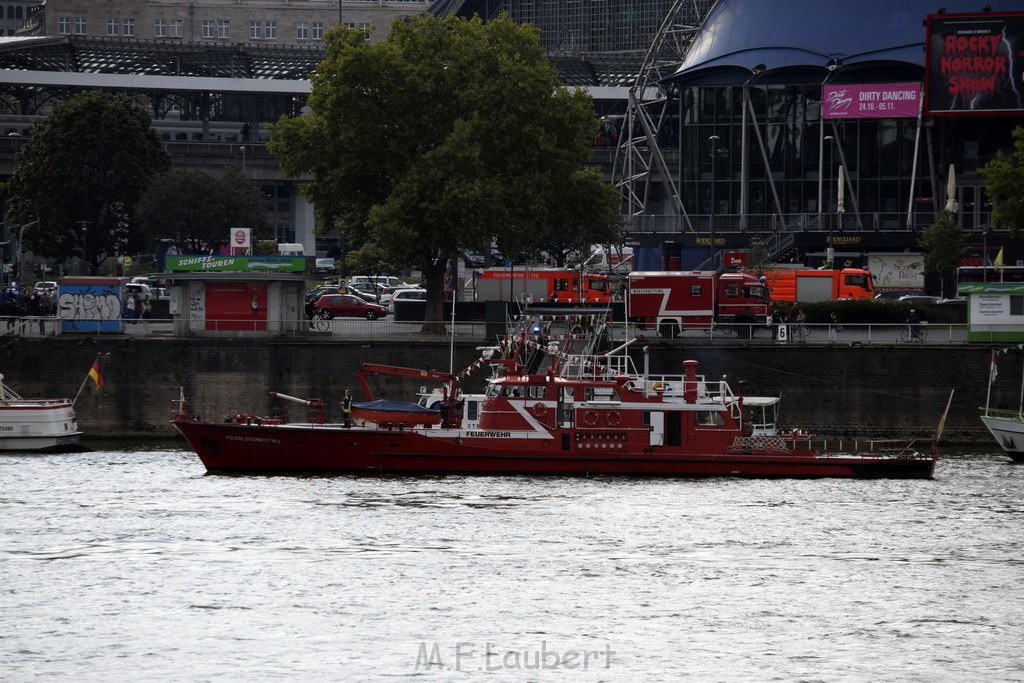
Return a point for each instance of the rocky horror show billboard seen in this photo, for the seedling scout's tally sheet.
(975, 64)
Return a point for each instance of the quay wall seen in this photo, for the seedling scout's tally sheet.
(870, 390)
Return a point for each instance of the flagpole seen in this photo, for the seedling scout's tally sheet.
(988, 396)
(1021, 408)
(84, 381)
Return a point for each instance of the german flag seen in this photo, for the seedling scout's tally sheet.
(96, 375)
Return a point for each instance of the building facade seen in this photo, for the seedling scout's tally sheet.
(295, 22)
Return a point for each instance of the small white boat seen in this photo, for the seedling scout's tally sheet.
(36, 424)
(1007, 426)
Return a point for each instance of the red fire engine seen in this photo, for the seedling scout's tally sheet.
(674, 301)
(544, 284)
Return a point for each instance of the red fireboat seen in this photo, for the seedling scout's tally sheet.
(555, 403)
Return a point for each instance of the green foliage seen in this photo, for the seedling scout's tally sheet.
(860, 312)
(1004, 185)
(80, 175)
(199, 209)
(758, 254)
(943, 243)
(445, 136)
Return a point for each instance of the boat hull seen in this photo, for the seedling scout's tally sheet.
(42, 425)
(225, 447)
(1008, 432)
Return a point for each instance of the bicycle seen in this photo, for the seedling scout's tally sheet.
(320, 322)
(909, 334)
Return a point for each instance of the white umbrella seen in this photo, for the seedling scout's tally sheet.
(951, 204)
(840, 191)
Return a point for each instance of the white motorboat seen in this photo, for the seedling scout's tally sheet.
(36, 424)
(1006, 425)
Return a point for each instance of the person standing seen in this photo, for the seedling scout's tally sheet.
(833, 328)
(129, 305)
(146, 313)
(346, 408)
(797, 318)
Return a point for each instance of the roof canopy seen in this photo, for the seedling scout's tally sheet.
(803, 41)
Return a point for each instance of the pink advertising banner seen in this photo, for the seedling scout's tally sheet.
(876, 101)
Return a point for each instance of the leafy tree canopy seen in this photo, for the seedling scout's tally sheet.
(943, 244)
(79, 178)
(445, 136)
(1004, 185)
(199, 209)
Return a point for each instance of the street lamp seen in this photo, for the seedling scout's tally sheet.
(242, 150)
(711, 218)
(828, 247)
(21, 251)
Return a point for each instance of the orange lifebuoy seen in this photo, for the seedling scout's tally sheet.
(540, 410)
(614, 418)
(590, 417)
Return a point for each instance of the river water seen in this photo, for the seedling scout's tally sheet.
(132, 564)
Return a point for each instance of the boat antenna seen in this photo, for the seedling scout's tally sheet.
(451, 337)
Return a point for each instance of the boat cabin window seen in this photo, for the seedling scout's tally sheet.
(696, 290)
(493, 391)
(709, 418)
(599, 394)
(513, 391)
(537, 391)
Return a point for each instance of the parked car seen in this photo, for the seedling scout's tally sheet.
(411, 294)
(381, 280)
(366, 290)
(348, 306)
(325, 266)
(389, 292)
(327, 288)
(894, 294)
(46, 286)
(920, 300)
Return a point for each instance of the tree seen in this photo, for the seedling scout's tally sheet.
(943, 244)
(80, 175)
(445, 136)
(1004, 185)
(199, 209)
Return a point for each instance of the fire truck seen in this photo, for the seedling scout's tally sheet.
(544, 284)
(808, 284)
(672, 301)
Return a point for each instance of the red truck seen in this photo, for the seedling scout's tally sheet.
(539, 284)
(808, 284)
(672, 301)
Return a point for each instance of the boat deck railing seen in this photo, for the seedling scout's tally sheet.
(1003, 414)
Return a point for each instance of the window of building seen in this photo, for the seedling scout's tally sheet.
(270, 29)
(318, 30)
(177, 28)
(302, 30)
(128, 27)
(224, 28)
(255, 30)
(160, 28)
(81, 28)
(112, 25)
(64, 25)
(207, 28)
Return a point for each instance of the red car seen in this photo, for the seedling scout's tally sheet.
(348, 306)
